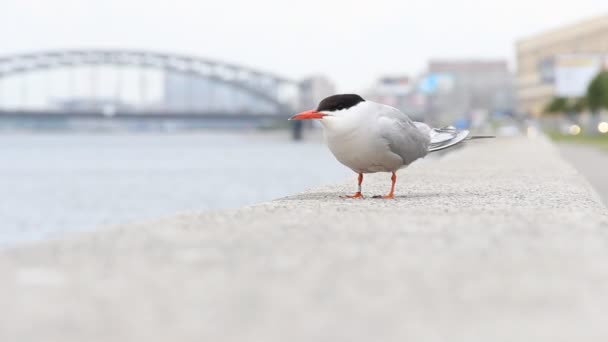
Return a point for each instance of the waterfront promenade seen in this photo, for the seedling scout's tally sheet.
(591, 162)
(498, 241)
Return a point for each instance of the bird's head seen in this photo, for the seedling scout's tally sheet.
(335, 105)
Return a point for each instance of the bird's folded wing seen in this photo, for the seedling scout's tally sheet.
(403, 136)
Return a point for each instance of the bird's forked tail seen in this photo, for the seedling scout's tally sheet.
(442, 138)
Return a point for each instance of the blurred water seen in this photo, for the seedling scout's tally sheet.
(53, 184)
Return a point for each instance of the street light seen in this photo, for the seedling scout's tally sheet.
(574, 130)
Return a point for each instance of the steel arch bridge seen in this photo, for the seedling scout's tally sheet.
(260, 85)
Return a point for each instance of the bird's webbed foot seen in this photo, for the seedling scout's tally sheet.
(356, 195)
(389, 196)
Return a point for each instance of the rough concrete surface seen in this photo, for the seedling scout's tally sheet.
(498, 241)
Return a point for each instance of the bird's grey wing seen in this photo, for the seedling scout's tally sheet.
(404, 138)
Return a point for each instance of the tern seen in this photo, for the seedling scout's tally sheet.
(370, 137)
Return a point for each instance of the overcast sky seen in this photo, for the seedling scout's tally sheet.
(352, 42)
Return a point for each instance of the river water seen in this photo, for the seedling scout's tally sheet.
(51, 185)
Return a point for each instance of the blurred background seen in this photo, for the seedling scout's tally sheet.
(118, 111)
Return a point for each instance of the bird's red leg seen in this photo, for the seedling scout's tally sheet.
(392, 193)
(358, 193)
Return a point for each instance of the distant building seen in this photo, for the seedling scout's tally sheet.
(185, 93)
(314, 89)
(460, 89)
(559, 63)
(398, 91)
(108, 106)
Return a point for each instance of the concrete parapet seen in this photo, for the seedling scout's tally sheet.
(498, 241)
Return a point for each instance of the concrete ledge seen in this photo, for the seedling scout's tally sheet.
(498, 241)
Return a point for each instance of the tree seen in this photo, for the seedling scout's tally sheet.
(566, 105)
(557, 105)
(597, 92)
(579, 105)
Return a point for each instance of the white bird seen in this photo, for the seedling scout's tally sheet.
(372, 137)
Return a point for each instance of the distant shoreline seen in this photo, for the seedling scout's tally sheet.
(309, 135)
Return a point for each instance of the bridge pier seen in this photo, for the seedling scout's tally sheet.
(297, 128)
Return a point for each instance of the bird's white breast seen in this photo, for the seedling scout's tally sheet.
(356, 141)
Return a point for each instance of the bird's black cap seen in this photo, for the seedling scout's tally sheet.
(339, 102)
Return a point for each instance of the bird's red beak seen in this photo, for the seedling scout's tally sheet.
(307, 115)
